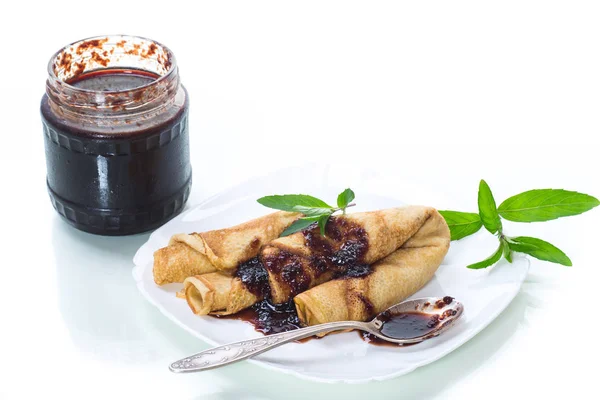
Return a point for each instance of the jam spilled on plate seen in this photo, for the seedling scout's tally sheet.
(269, 318)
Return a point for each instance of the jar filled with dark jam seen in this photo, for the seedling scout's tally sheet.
(115, 119)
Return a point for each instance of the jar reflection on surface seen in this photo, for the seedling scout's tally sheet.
(115, 119)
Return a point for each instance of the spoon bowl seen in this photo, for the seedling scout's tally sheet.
(409, 322)
(416, 320)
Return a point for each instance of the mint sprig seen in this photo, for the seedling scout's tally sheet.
(506, 251)
(491, 260)
(313, 209)
(298, 225)
(539, 249)
(545, 205)
(487, 208)
(287, 202)
(531, 206)
(462, 224)
(344, 199)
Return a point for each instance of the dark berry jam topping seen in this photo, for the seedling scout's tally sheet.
(254, 277)
(269, 318)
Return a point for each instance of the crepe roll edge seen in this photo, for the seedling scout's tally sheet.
(217, 294)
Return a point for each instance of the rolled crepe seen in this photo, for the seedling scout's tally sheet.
(223, 294)
(217, 293)
(295, 265)
(392, 279)
(218, 250)
(292, 263)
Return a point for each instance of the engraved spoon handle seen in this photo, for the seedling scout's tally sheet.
(234, 352)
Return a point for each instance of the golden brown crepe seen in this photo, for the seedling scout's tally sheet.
(393, 279)
(295, 263)
(294, 266)
(217, 293)
(218, 250)
(224, 294)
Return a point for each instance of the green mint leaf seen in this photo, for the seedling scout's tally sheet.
(461, 224)
(539, 249)
(506, 251)
(545, 204)
(287, 202)
(313, 211)
(298, 225)
(345, 198)
(487, 208)
(322, 222)
(491, 260)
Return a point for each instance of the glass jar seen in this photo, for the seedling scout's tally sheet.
(115, 120)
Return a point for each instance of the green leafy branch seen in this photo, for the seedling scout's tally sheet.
(314, 209)
(531, 206)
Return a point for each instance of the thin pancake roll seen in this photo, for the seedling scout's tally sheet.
(306, 259)
(388, 282)
(217, 293)
(290, 265)
(224, 294)
(218, 250)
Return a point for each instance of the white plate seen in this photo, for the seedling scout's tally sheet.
(342, 357)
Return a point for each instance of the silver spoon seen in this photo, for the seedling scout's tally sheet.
(446, 309)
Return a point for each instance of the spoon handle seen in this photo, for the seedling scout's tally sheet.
(234, 352)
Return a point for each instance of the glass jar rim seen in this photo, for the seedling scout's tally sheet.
(170, 69)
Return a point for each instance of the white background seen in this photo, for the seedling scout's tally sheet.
(444, 93)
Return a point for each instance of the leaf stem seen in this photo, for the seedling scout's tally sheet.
(344, 209)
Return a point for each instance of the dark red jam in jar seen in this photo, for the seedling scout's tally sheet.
(115, 119)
